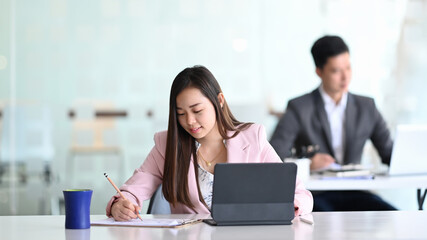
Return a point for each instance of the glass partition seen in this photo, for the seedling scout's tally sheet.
(84, 85)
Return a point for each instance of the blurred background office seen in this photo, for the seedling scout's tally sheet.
(84, 85)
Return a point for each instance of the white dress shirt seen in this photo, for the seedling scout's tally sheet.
(336, 117)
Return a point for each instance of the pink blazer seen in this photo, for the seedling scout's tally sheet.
(249, 146)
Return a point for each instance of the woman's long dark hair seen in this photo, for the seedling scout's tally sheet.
(180, 144)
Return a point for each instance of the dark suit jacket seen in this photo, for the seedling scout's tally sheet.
(305, 123)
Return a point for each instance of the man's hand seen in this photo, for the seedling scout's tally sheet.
(321, 160)
(124, 210)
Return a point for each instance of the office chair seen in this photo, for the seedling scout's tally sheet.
(31, 151)
(158, 203)
(33, 145)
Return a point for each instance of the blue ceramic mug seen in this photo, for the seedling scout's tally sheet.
(77, 208)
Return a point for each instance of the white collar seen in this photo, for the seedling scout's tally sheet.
(329, 101)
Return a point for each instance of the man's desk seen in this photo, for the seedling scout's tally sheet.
(380, 182)
(327, 225)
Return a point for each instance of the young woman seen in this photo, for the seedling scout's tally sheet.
(202, 132)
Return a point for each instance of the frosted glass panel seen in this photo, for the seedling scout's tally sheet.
(54, 53)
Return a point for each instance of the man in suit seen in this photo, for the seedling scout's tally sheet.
(331, 125)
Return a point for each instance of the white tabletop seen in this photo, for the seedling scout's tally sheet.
(328, 225)
(379, 182)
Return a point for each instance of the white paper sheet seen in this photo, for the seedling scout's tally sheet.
(145, 222)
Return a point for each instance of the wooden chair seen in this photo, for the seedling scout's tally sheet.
(91, 125)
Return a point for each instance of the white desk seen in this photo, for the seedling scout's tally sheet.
(328, 225)
(380, 182)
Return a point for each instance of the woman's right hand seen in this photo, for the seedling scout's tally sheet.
(124, 210)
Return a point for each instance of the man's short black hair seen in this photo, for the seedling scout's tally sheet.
(326, 47)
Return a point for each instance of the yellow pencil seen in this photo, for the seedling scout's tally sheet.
(118, 190)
